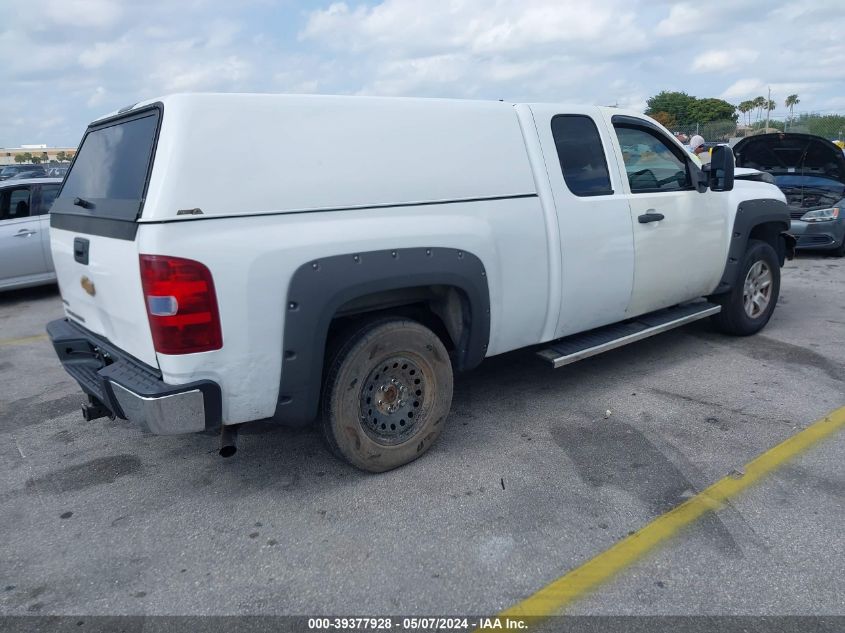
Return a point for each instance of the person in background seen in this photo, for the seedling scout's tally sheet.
(696, 146)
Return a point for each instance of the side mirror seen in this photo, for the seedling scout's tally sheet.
(698, 176)
(721, 173)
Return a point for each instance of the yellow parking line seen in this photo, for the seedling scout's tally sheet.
(22, 340)
(552, 598)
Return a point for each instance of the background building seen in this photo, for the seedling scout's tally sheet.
(35, 154)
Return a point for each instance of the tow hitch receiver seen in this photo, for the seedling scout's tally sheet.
(94, 409)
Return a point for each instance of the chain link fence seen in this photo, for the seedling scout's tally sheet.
(829, 126)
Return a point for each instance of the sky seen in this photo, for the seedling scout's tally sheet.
(66, 62)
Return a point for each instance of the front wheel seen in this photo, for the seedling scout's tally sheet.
(387, 393)
(749, 305)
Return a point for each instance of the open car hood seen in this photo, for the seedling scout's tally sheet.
(793, 154)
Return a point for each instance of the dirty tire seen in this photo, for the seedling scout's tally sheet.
(734, 319)
(386, 395)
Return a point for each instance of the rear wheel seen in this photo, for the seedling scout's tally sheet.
(387, 393)
(749, 305)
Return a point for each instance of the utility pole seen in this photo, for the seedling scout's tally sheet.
(768, 108)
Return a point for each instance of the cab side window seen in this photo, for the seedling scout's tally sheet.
(652, 164)
(14, 203)
(581, 155)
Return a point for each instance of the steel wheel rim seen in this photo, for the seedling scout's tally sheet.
(392, 397)
(757, 290)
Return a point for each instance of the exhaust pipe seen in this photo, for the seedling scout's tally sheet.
(229, 440)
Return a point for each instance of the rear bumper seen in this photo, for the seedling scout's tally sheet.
(130, 389)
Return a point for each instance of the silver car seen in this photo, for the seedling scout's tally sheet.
(25, 258)
(810, 170)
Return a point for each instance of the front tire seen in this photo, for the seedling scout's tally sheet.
(387, 393)
(749, 305)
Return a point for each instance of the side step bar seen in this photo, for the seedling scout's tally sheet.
(579, 346)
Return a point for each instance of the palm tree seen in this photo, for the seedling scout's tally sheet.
(759, 104)
(746, 107)
(770, 105)
(791, 102)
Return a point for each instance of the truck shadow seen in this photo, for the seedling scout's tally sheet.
(499, 395)
(21, 295)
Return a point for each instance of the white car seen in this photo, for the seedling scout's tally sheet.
(390, 243)
(25, 258)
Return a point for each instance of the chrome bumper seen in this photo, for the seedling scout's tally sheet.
(121, 386)
(176, 413)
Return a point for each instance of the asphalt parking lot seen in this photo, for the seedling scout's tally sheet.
(531, 478)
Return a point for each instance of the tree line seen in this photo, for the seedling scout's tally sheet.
(36, 159)
(680, 110)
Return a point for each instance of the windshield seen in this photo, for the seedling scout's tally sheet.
(110, 171)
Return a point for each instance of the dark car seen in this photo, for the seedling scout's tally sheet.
(810, 170)
(31, 171)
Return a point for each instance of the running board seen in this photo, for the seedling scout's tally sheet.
(579, 346)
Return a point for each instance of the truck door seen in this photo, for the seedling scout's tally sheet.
(679, 233)
(593, 218)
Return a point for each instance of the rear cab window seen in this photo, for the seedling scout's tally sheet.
(581, 155)
(108, 178)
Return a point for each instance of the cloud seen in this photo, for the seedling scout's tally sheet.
(175, 76)
(478, 27)
(724, 60)
(101, 53)
(69, 61)
(474, 48)
(97, 97)
(743, 88)
(98, 14)
(684, 18)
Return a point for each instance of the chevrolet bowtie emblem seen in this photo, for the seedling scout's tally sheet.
(88, 286)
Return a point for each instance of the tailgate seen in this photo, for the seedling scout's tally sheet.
(104, 295)
(94, 226)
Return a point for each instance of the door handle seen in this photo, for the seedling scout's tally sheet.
(25, 233)
(650, 216)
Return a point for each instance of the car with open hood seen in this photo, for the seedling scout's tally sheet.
(810, 170)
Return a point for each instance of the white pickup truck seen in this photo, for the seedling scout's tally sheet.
(381, 245)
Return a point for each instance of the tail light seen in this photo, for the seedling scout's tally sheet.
(181, 305)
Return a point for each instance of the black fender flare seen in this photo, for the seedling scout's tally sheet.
(319, 287)
(749, 214)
